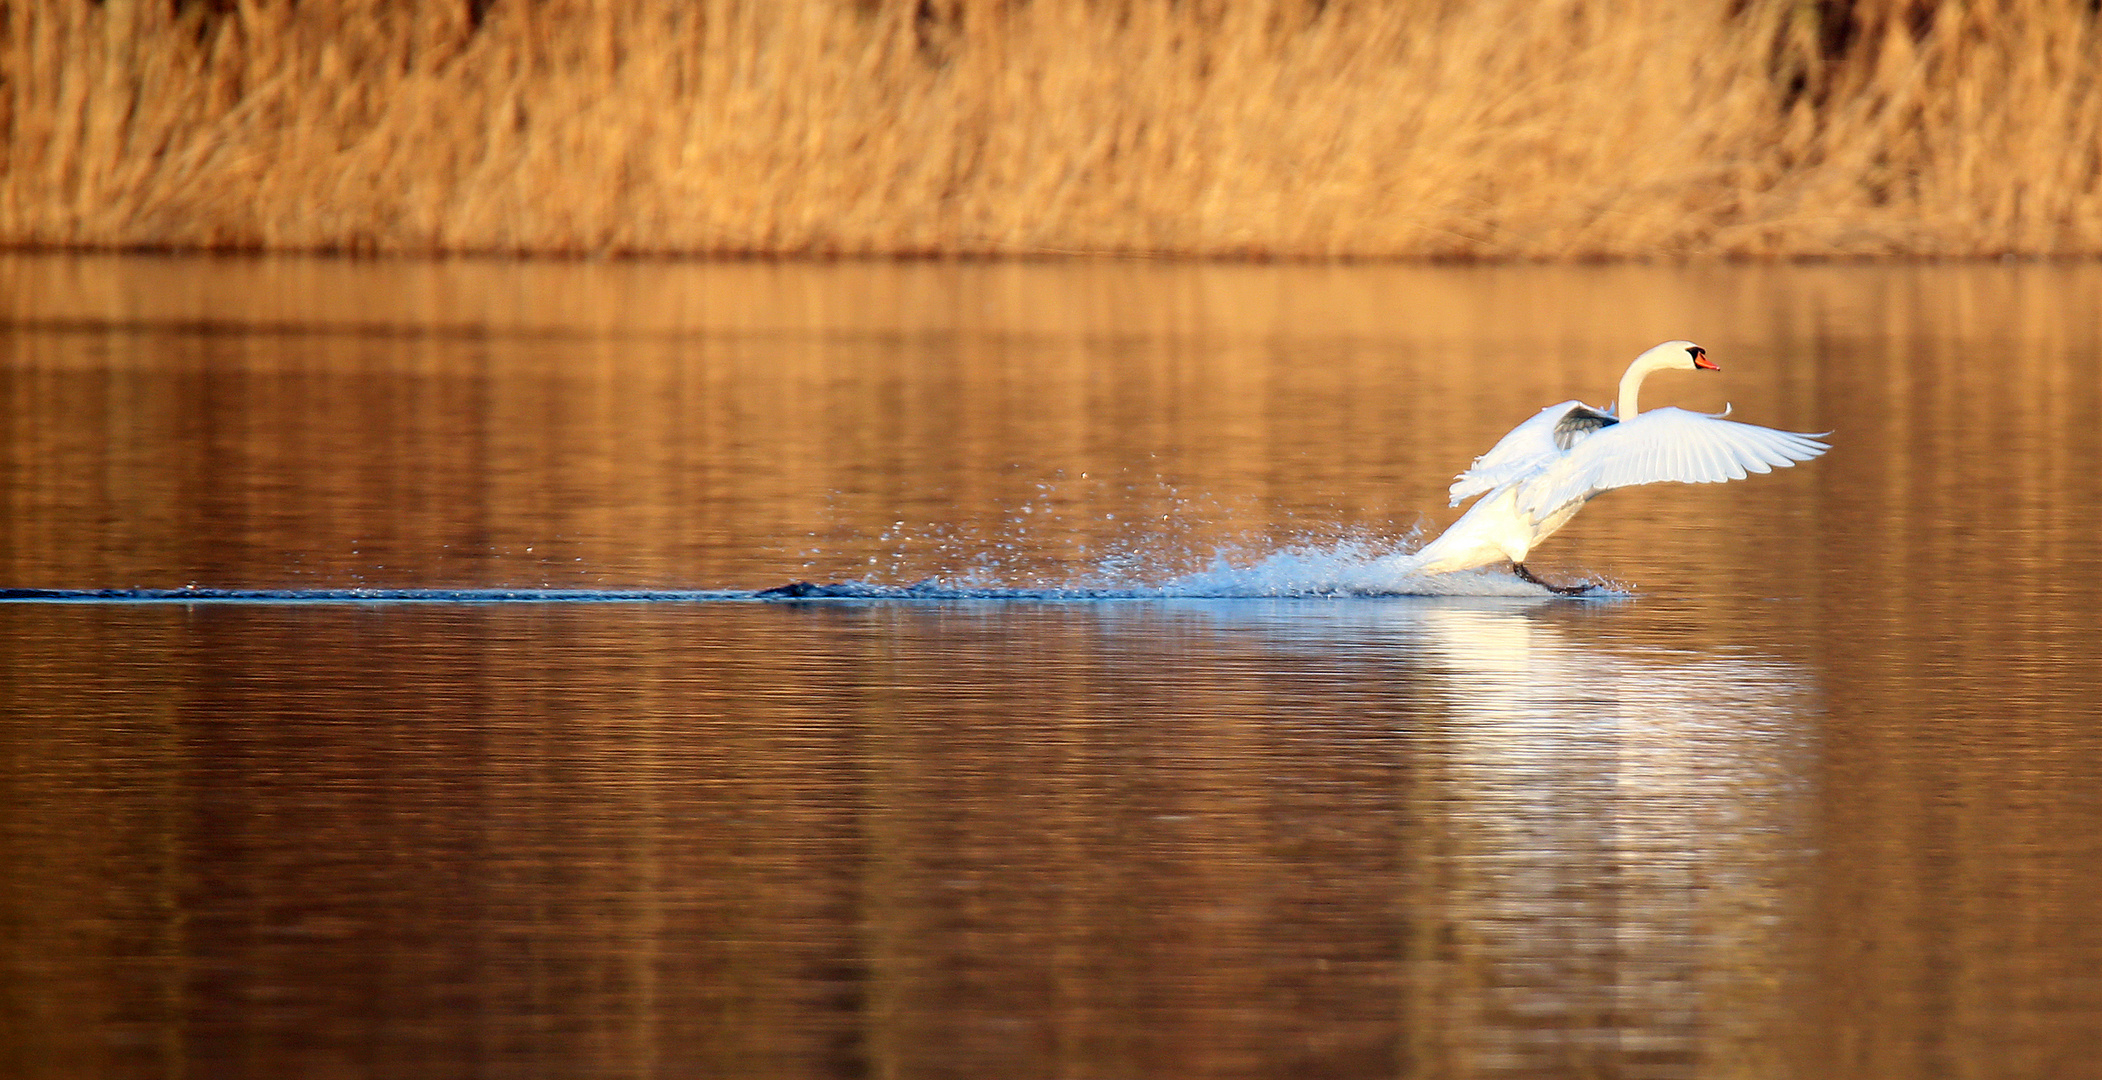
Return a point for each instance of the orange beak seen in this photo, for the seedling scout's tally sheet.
(1701, 361)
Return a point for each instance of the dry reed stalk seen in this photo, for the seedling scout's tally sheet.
(1507, 128)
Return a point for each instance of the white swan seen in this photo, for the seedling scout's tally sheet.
(1538, 476)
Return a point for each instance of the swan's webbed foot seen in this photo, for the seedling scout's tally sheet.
(1559, 590)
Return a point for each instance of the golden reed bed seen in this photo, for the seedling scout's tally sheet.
(1539, 129)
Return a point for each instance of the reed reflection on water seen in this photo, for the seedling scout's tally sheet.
(1821, 801)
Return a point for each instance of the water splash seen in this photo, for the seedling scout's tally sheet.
(1360, 565)
(1346, 567)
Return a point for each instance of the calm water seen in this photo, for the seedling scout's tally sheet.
(1820, 797)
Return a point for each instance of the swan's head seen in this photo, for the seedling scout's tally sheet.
(1680, 355)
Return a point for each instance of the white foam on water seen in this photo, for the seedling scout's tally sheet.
(1347, 568)
(1344, 567)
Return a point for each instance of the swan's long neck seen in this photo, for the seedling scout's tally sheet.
(1631, 387)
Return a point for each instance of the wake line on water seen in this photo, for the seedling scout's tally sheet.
(1343, 570)
(204, 595)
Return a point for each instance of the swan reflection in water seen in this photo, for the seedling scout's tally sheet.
(1615, 827)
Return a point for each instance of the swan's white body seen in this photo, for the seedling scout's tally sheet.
(1537, 477)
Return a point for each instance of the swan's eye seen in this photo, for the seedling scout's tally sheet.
(1696, 352)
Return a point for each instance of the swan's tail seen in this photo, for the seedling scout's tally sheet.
(1492, 531)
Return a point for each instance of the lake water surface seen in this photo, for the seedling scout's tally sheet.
(1815, 791)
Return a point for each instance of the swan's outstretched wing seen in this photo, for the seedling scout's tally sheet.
(1529, 447)
(1664, 445)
